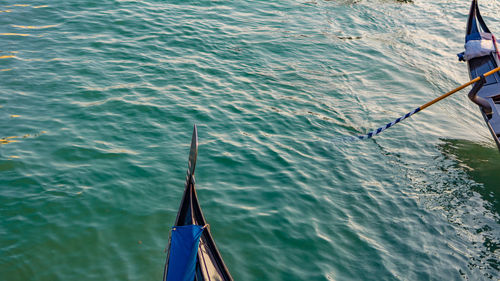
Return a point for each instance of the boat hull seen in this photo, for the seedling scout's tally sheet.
(209, 263)
(479, 66)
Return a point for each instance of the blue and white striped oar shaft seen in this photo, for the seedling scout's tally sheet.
(388, 125)
(418, 109)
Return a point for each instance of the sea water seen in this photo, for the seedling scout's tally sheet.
(98, 101)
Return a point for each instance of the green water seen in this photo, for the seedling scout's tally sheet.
(98, 100)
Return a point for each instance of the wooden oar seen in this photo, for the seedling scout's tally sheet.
(459, 88)
(418, 109)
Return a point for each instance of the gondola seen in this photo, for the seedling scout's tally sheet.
(487, 96)
(192, 254)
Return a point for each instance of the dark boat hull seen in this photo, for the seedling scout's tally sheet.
(209, 264)
(478, 66)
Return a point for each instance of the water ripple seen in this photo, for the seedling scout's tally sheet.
(98, 101)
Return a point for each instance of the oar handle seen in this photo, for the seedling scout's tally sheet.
(458, 89)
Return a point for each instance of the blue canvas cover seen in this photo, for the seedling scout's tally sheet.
(183, 251)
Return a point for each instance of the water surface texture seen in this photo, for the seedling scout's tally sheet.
(97, 104)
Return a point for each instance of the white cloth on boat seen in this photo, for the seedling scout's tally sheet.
(479, 48)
